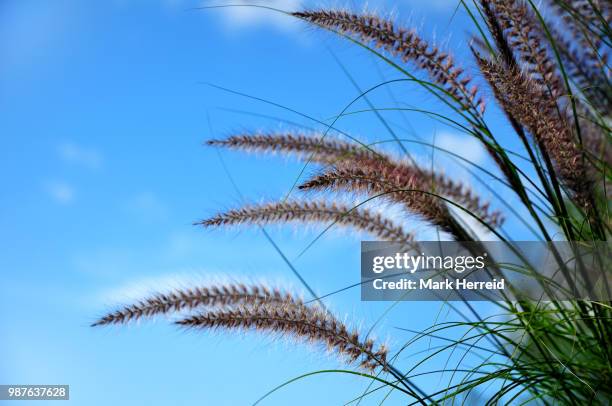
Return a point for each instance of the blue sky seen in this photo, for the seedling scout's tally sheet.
(105, 106)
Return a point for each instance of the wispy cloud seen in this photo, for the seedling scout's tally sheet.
(241, 15)
(463, 145)
(80, 155)
(146, 206)
(141, 286)
(435, 5)
(471, 150)
(60, 191)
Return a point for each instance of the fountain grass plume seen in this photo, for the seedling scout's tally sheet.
(397, 185)
(178, 300)
(313, 212)
(316, 147)
(528, 103)
(539, 66)
(404, 44)
(298, 322)
(329, 150)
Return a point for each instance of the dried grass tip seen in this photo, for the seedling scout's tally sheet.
(238, 306)
(299, 322)
(192, 298)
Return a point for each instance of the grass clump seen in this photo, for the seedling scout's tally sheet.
(547, 69)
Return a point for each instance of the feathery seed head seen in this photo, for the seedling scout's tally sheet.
(401, 43)
(317, 211)
(316, 147)
(538, 113)
(400, 185)
(299, 322)
(192, 298)
(332, 151)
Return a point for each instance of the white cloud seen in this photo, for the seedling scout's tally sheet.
(240, 15)
(79, 155)
(480, 231)
(60, 191)
(184, 244)
(440, 4)
(471, 150)
(142, 286)
(432, 5)
(146, 206)
(463, 145)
